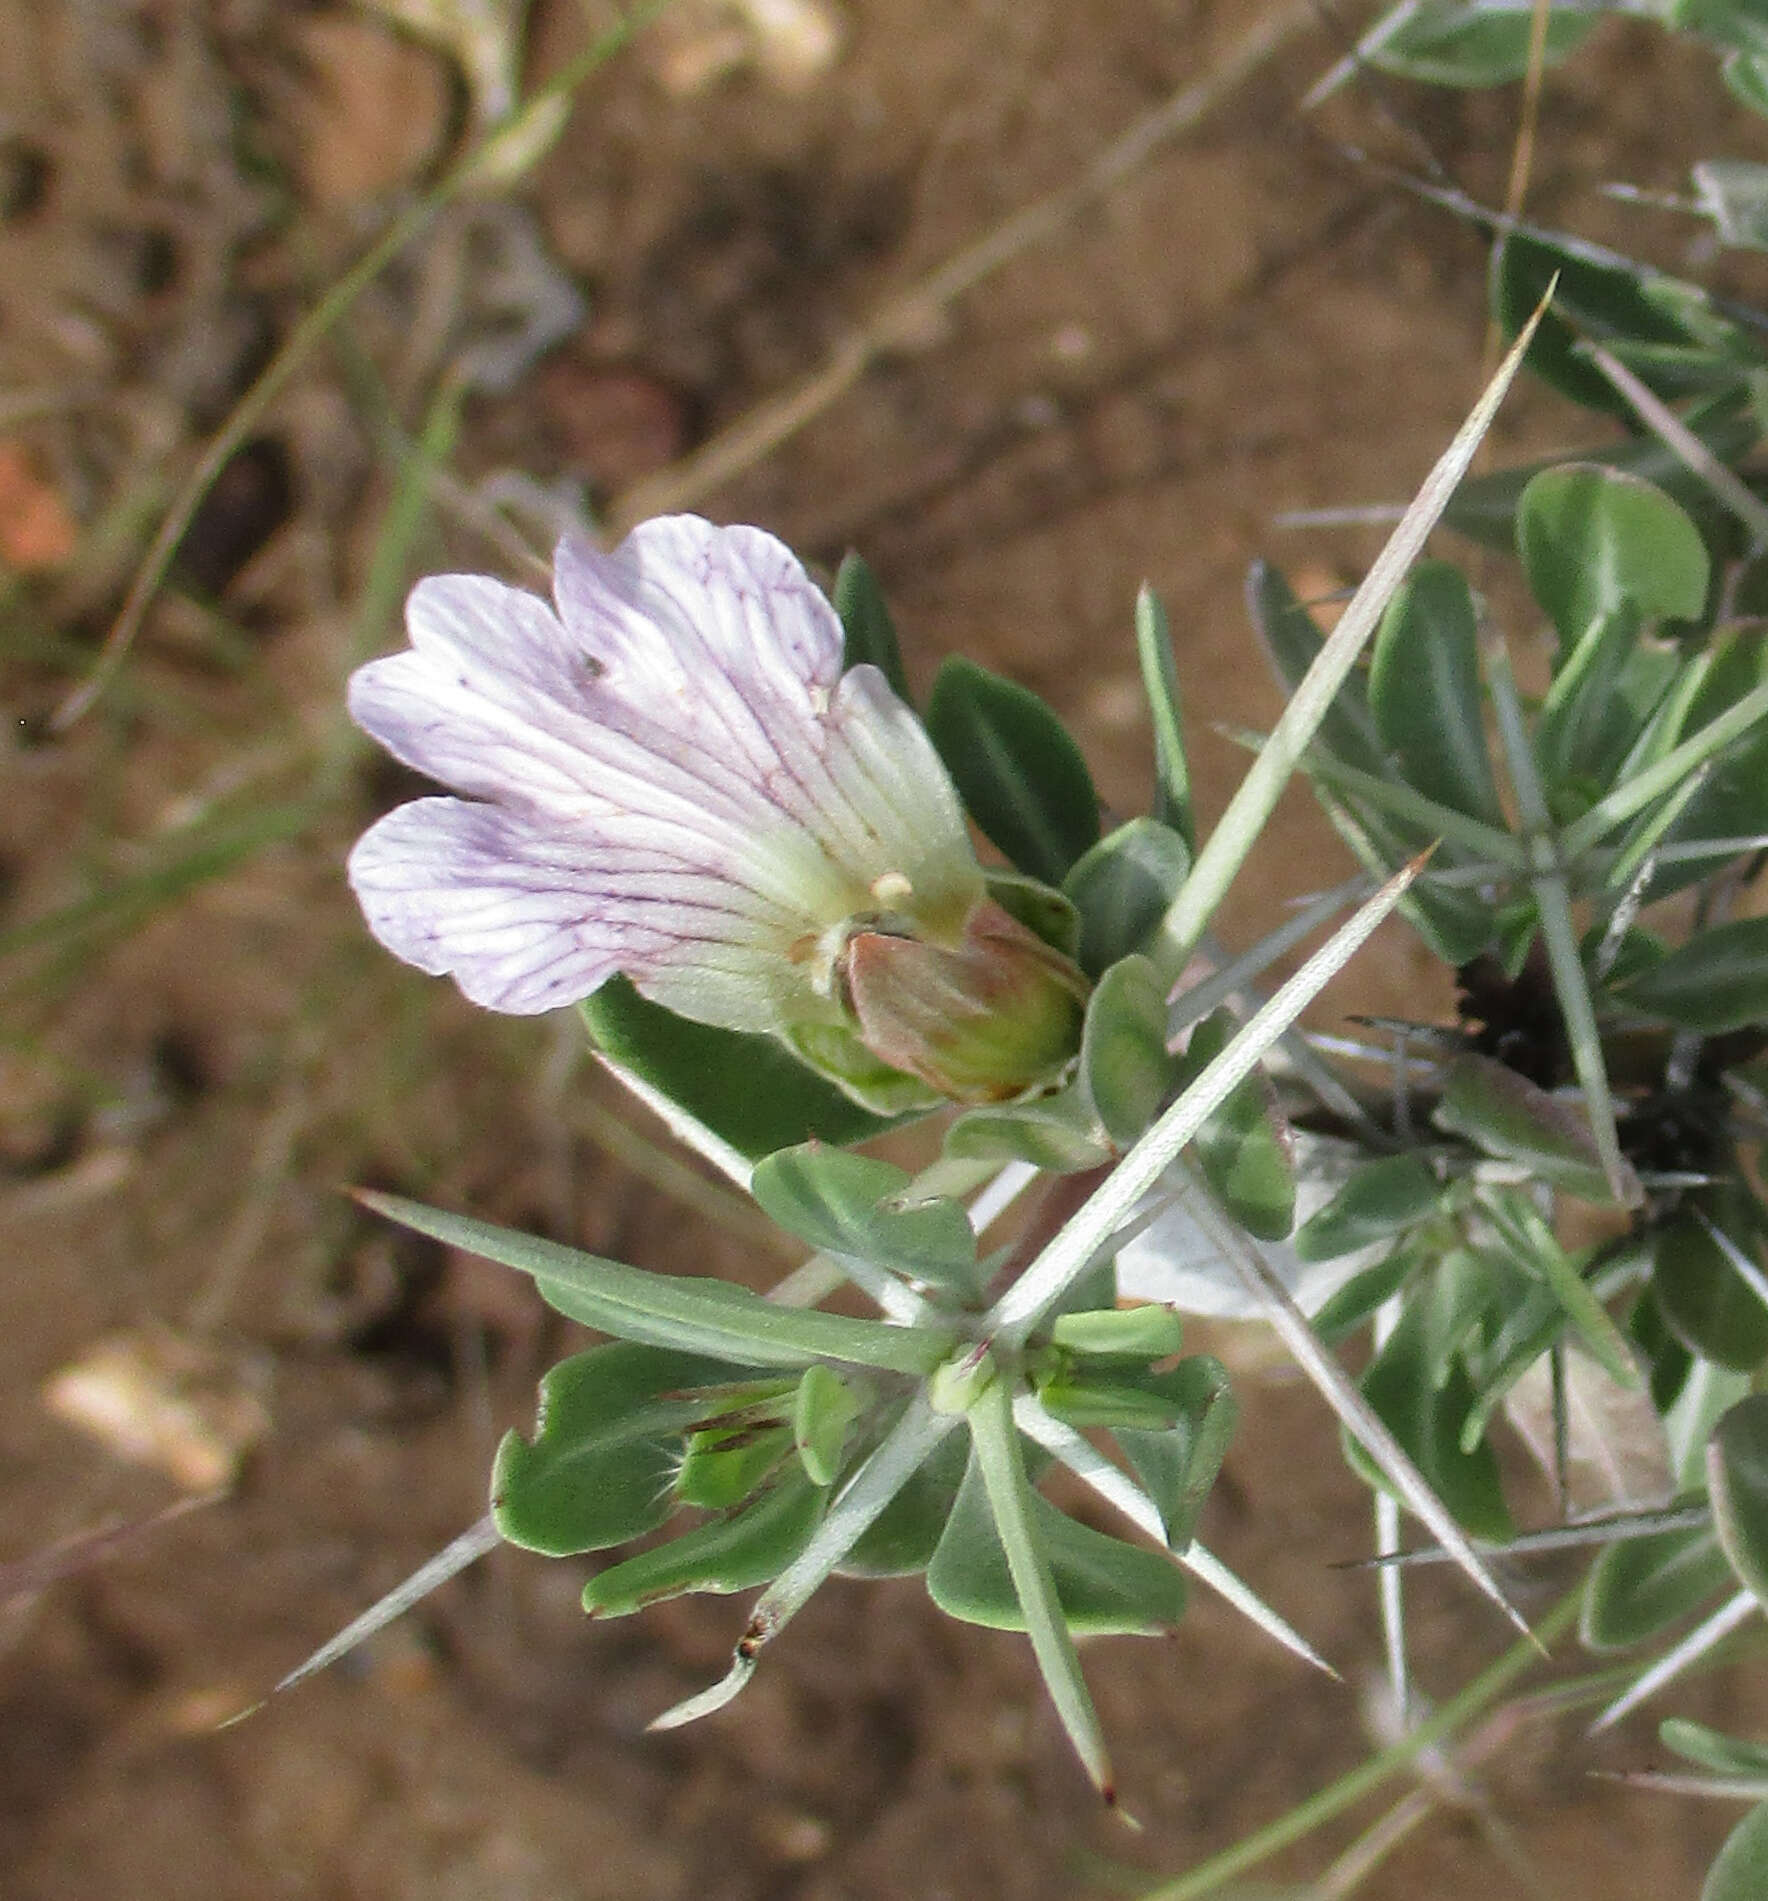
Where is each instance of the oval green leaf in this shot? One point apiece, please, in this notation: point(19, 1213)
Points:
point(1597, 542)
point(1021, 777)
point(1122, 888)
point(601, 1465)
point(1640, 1586)
point(750, 1090)
point(735, 1553)
point(1737, 1482)
point(1424, 692)
point(1717, 981)
point(854, 1204)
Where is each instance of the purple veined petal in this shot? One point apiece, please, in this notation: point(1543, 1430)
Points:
point(669, 777)
point(527, 920)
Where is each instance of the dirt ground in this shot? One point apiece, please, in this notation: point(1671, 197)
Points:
point(201, 1046)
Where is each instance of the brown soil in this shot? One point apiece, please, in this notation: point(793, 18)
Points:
point(1253, 321)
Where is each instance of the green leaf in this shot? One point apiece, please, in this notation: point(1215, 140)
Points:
point(1424, 1407)
point(824, 1411)
point(1733, 803)
point(1733, 192)
point(601, 1466)
point(1160, 682)
point(750, 1090)
point(1061, 1133)
point(667, 1310)
point(1717, 981)
point(1424, 691)
point(904, 1536)
point(1596, 543)
point(1125, 1067)
point(1452, 43)
point(734, 1553)
point(1105, 1587)
point(1243, 1157)
point(1292, 640)
point(853, 1204)
point(1381, 1199)
point(1021, 777)
point(1602, 297)
point(1704, 1301)
point(1122, 888)
point(1712, 1749)
point(1746, 78)
point(1741, 24)
point(1179, 1466)
point(1737, 1481)
point(1484, 508)
point(1510, 1117)
point(1362, 1296)
point(1741, 1871)
point(1640, 1586)
point(870, 634)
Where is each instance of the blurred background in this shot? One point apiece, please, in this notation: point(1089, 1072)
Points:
point(723, 286)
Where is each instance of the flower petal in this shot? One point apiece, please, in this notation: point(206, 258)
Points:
point(526, 919)
point(687, 787)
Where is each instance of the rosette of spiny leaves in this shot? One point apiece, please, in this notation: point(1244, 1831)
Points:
point(1595, 889)
point(693, 798)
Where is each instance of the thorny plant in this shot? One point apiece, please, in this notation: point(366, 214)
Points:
point(696, 802)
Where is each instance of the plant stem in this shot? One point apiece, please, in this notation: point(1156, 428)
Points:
point(1350, 1789)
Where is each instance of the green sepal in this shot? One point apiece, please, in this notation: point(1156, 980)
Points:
point(825, 1410)
point(1046, 913)
point(606, 1447)
point(1243, 1156)
point(855, 1204)
point(868, 633)
point(1104, 1586)
point(1179, 1466)
point(835, 1053)
point(1122, 889)
point(1381, 1199)
point(1639, 1587)
point(1142, 1333)
point(749, 1090)
point(748, 1547)
point(722, 1464)
point(1021, 777)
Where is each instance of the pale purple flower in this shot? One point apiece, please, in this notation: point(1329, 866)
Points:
point(666, 774)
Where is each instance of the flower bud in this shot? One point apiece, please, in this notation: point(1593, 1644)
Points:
point(983, 1020)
